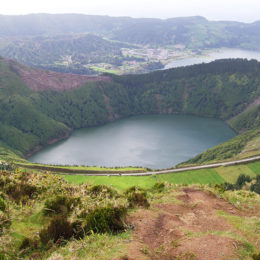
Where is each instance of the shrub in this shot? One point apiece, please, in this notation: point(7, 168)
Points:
point(28, 243)
point(2, 256)
point(25, 243)
point(5, 222)
point(256, 186)
point(103, 190)
point(105, 220)
point(138, 198)
point(28, 190)
point(4, 180)
point(158, 186)
point(59, 230)
point(241, 180)
point(19, 191)
point(78, 229)
point(133, 189)
point(60, 205)
point(229, 186)
point(256, 256)
point(2, 204)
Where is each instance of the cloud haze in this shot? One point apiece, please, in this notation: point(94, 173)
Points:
point(239, 10)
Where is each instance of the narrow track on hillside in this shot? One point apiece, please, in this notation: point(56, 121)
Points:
point(214, 165)
point(189, 228)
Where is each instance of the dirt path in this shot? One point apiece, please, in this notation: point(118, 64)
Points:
point(191, 229)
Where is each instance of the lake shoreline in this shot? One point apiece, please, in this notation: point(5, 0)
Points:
point(121, 138)
point(210, 55)
point(37, 148)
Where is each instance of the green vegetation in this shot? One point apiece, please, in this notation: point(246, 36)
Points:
point(66, 53)
point(220, 89)
point(204, 176)
point(229, 149)
point(231, 173)
point(121, 183)
point(44, 213)
point(137, 197)
point(77, 169)
point(248, 120)
point(243, 181)
point(255, 167)
point(49, 217)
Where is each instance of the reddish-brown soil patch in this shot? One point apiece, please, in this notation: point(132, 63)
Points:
point(41, 80)
point(191, 229)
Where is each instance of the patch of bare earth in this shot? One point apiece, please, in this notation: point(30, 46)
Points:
point(42, 80)
point(191, 229)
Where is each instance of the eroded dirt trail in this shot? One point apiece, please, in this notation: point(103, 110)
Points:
point(190, 229)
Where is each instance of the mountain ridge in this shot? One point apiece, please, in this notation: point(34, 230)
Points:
point(88, 44)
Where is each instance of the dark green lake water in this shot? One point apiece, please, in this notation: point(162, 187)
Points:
point(154, 141)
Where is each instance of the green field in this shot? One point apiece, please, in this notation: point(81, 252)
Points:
point(79, 169)
point(204, 176)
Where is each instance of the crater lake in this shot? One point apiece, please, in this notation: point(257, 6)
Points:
point(153, 141)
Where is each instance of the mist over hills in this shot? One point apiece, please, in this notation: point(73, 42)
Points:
point(135, 30)
point(89, 44)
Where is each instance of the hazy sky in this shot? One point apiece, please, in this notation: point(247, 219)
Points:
point(240, 10)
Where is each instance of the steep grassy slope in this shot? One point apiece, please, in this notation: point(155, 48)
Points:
point(235, 149)
point(31, 115)
point(221, 89)
point(44, 217)
point(247, 120)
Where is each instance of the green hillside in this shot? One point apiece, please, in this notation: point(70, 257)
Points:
point(31, 119)
point(234, 148)
point(65, 53)
point(44, 217)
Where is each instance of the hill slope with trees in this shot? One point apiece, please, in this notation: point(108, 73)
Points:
point(31, 118)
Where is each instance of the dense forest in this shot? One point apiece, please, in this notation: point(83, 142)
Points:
point(221, 89)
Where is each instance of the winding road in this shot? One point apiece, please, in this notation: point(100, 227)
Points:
point(214, 165)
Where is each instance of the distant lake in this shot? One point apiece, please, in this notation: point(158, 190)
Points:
point(215, 55)
point(154, 141)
